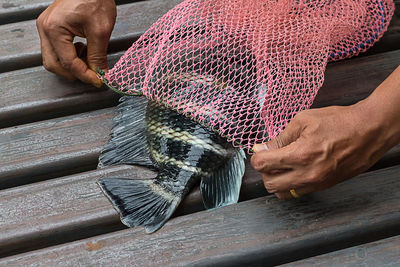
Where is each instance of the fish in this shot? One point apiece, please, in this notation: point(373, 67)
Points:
point(182, 151)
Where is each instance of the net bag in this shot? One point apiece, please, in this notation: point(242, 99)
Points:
point(244, 68)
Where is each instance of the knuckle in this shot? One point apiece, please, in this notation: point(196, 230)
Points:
point(101, 33)
point(48, 66)
point(270, 187)
point(315, 178)
point(256, 162)
point(66, 64)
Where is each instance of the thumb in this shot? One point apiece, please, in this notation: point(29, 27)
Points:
point(290, 134)
point(97, 51)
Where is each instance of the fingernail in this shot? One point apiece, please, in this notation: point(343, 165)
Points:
point(98, 83)
point(260, 147)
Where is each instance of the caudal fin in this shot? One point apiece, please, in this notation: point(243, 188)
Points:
point(140, 202)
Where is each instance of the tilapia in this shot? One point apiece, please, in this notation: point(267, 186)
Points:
point(181, 150)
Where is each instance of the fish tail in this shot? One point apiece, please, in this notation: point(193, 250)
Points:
point(140, 202)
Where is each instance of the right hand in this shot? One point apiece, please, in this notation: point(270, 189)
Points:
point(65, 19)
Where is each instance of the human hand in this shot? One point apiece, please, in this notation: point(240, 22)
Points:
point(65, 19)
point(320, 148)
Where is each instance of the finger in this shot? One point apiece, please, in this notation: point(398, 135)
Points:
point(290, 134)
point(289, 180)
point(97, 50)
point(286, 157)
point(49, 57)
point(70, 61)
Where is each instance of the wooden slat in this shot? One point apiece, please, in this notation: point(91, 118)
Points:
point(347, 82)
point(34, 94)
point(65, 145)
point(53, 147)
point(20, 47)
point(385, 252)
point(20, 10)
point(71, 208)
point(263, 231)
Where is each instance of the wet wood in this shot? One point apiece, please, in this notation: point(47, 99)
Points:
point(263, 231)
point(34, 94)
point(20, 45)
point(385, 252)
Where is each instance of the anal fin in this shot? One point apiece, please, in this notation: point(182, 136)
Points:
point(223, 187)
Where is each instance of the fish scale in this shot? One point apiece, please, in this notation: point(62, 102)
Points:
point(181, 150)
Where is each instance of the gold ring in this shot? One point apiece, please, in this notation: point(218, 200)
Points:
point(294, 193)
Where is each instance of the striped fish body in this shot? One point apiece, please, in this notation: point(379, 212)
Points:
point(182, 150)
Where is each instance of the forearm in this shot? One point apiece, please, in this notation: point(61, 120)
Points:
point(381, 110)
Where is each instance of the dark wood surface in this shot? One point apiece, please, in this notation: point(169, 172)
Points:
point(385, 252)
point(20, 45)
point(20, 10)
point(52, 128)
point(73, 207)
point(265, 230)
point(34, 94)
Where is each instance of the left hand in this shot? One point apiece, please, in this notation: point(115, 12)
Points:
point(320, 148)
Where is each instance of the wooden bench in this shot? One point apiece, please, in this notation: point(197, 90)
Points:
point(52, 211)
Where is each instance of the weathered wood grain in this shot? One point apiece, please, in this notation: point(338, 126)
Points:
point(65, 145)
point(347, 82)
point(385, 252)
point(20, 45)
point(261, 231)
point(66, 209)
point(34, 94)
point(52, 147)
point(20, 10)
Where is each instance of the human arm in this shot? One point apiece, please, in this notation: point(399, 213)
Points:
point(65, 19)
point(322, 147)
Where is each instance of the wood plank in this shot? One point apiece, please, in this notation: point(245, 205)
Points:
point(347, 82)
point(34, 94)
point(385, 252)
point(58, 147)
point(53, 147)
point(67, 145)
point(70, 208)
point(20, 47)
point(20, 10)
point(263, 231)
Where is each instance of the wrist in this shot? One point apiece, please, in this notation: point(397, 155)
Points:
point(380, 119)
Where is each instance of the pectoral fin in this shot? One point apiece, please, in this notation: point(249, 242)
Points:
point(223, 187)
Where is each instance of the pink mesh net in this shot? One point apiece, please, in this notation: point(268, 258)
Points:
point(244, 68)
